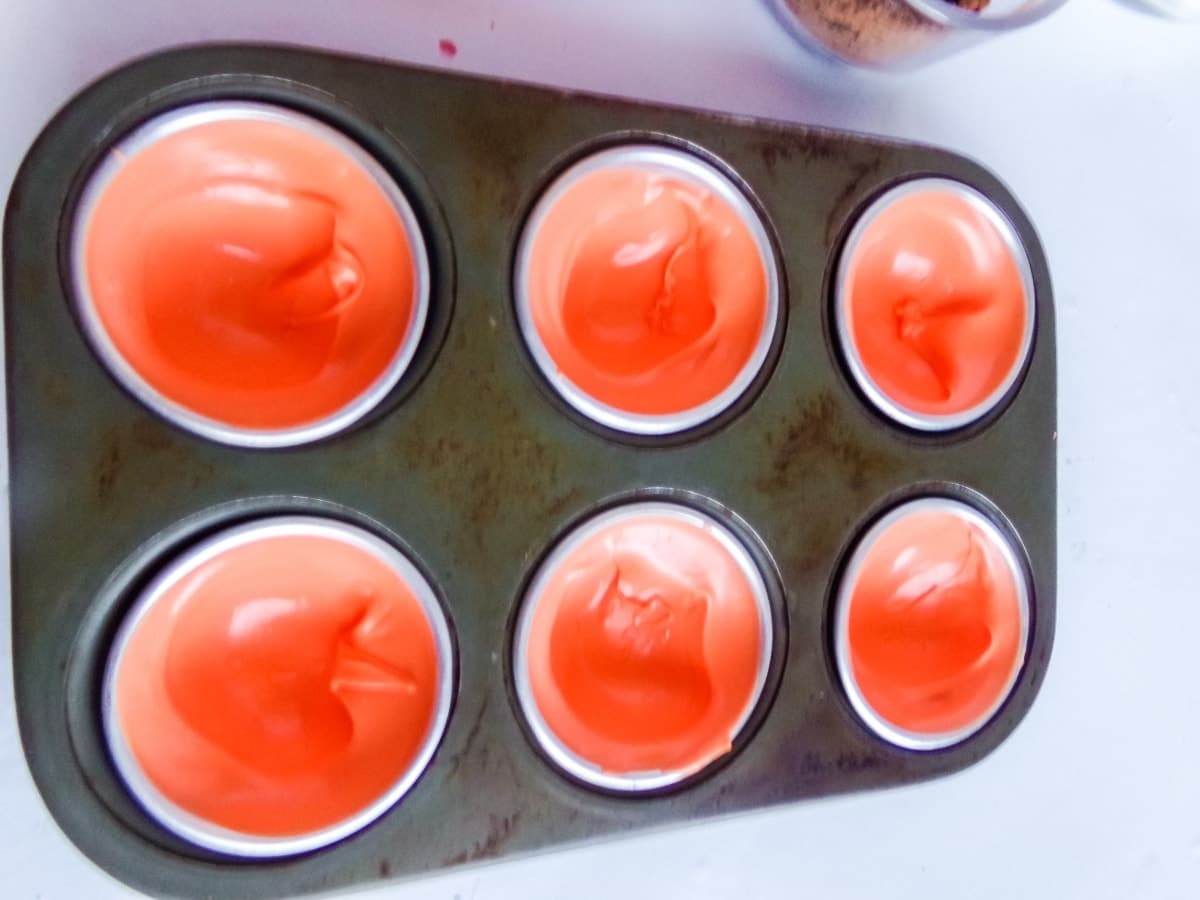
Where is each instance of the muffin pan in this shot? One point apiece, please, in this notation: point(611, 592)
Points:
point(480, 477)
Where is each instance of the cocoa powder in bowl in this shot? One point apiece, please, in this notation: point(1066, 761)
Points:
point(870, 32)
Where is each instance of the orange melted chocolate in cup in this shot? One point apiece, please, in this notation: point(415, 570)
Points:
point(932, 623)
point(646, 289)
point(250, 273)
point(279, 686)
point(934, 304)
point(642, 646)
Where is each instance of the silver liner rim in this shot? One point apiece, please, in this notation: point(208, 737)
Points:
point(881, 727)
point(203, 113)
point(200, 831)
point(877, 396)
point(680, 164)
point(559, 754)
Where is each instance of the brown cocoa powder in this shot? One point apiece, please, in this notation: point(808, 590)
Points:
point(871, 32)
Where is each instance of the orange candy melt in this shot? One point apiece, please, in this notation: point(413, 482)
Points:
point(251, 270)
point(645, 646)
point(280, 686)
point(935, 303)
point(648, 291)
point(936, 623)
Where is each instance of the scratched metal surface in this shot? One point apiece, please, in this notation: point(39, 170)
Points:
point(475, 466)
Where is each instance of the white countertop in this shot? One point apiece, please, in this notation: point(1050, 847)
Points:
point(1093, 118)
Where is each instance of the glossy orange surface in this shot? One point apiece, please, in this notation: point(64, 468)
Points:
point(281, 686)
point(649, 292)
point(644, 647)
point(936, 304)
point(935, 623)
point(251, 272)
